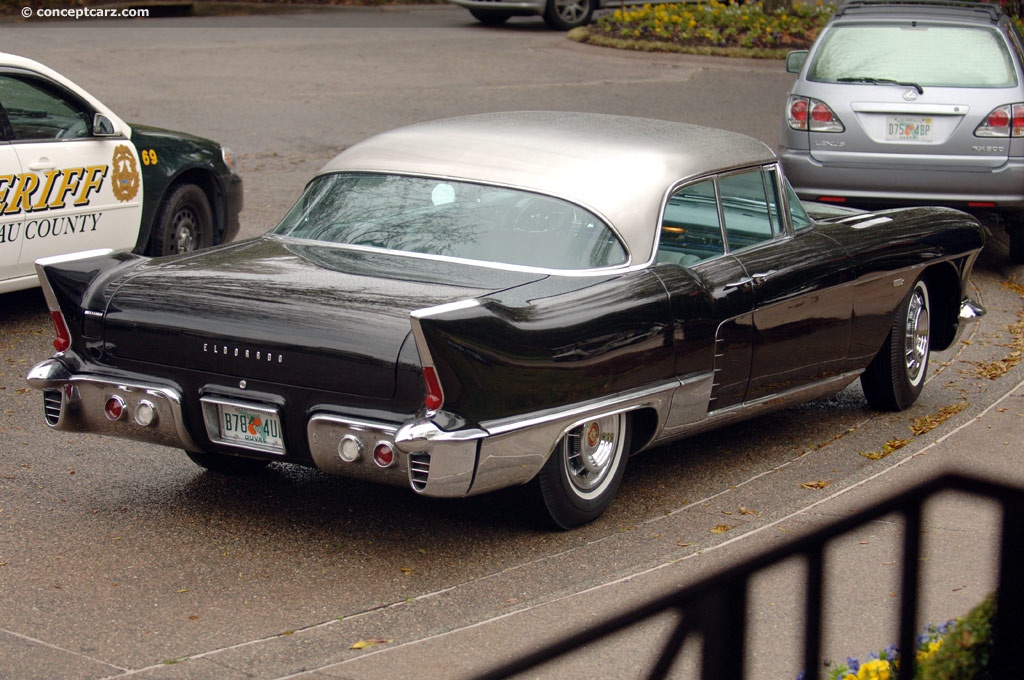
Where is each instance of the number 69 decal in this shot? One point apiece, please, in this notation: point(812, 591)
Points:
point(148, 156)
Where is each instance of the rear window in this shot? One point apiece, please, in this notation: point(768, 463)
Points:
point(927, 55)
point(446, 218)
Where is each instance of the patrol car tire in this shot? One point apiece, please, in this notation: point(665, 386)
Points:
point(183, 223)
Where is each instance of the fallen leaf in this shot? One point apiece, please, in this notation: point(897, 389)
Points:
point(747, 511)
point(890, 446)
point(720, 529)
point(371, 642)
point(820, 484)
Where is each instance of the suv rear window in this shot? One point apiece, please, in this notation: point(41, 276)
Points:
point(926, 55)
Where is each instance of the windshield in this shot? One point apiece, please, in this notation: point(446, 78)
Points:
point(452, 219)
point(936, 56)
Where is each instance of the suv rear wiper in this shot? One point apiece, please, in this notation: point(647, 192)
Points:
point(881, 81)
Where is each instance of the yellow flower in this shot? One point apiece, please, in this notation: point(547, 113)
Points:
point(876, 669)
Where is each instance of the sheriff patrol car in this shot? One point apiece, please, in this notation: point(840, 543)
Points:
point(75, 177)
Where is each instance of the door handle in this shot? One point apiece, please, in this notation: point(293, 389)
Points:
point(763, 275)
point(738, 284)
point(42, 164)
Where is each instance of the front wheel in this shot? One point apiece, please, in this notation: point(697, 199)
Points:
point(563, 15)
point(183, 223)
point(490, 17)
point(232, 466)
point(582, 475)
point(894, 378)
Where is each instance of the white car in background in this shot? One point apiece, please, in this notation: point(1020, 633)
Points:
point(75, 177)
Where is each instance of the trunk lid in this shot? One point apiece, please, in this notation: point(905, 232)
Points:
point(286, 312)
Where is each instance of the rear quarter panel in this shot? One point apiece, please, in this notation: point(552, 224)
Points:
point(552, 343)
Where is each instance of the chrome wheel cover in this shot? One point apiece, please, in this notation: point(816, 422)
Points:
point(916, 336)
point(591, 453)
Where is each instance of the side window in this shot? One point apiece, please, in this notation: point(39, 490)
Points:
point(749, 216)
point(38, 113)
point(690, 228)
point(797, 214)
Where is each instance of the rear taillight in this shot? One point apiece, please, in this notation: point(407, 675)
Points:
point(435, 395)
point(804, 113)
point(1005, 121)
point(60, 327)
point(796, 114)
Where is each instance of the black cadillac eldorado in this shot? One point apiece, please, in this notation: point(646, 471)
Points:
point(505, 299)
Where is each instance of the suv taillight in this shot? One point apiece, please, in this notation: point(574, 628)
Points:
point(805, 113)
point(1005, 121)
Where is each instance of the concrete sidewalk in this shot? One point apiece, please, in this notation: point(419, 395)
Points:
point(862, 579)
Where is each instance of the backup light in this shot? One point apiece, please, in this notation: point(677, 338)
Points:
point(350, 449)
point(145, 413)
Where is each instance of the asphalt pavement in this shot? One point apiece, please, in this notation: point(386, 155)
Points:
point(961, 534)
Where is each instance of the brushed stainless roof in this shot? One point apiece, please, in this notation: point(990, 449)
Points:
point(616, 166)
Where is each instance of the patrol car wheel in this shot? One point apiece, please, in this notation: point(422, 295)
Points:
point(184, 222)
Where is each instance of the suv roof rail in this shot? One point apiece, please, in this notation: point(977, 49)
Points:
point(994, 11)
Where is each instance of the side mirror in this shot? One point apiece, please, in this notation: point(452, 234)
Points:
point(795, 61)
point(103, 126)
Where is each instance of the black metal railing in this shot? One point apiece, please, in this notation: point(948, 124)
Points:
point(716, 608)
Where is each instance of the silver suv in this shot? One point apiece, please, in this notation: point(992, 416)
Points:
point(901, 103)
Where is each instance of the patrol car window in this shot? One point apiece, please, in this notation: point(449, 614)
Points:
point(37, 112)
point(452, 219)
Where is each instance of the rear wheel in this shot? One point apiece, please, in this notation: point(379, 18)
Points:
point(234, 466)
point(581, 477)
point(562, 15)
point(894, 378)
point(490, 17)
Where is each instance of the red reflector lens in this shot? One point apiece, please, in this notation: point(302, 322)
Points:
point(831, 199)
point(435, 396)
point(383, 455)
point(63, 339)
point(114, 408)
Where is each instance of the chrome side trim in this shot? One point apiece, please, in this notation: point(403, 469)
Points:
point(83, 397)
point(752, 409)
point(518, 447)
